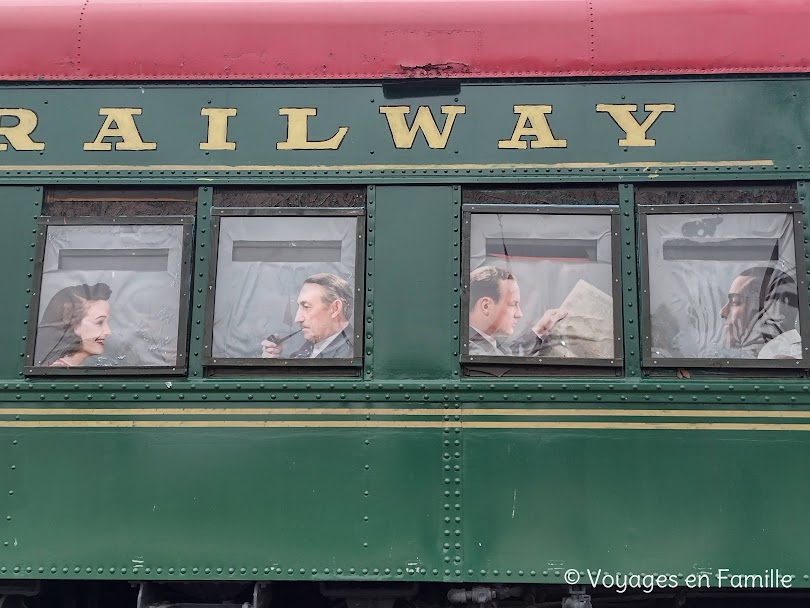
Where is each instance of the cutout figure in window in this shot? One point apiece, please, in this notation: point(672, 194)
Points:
point(74, 326)
point(760, 315)
point(495, 311)
point(324, 309)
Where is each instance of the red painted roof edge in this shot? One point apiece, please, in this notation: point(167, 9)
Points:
point(192, 40)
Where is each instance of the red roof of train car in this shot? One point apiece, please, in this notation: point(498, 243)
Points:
point(338, 39)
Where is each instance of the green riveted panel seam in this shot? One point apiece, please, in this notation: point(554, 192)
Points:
point(629, 282)
point(368, 360)
point(801, 190)
point(456, 280)
point(368, 363)
point(453, 438)
point(453, 476)
point(368, 348)
point(392, 176)
point(200, 285)
point(11, 508)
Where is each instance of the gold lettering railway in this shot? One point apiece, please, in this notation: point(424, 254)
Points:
point(532, 128)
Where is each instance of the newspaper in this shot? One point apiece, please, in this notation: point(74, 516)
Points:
point(587, 330)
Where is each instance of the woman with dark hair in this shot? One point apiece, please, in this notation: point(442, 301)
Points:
point(73, 326)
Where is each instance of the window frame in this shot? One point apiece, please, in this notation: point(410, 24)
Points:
point(215, 364)
point(615, 362)
point(186, 254)
point(653, 363)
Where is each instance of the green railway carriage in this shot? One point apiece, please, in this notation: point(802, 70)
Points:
point(406, 304)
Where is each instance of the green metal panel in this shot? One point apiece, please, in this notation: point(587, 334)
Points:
point(544, 501)
point(20, 208)
point(221, 503)
point(416, 303)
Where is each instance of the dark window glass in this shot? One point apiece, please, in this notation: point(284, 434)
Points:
point(102, 201)
point(311, 198)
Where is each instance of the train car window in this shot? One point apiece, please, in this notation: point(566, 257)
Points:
point(285, 289)
point(110, 296)
point(539, 286)
point(724, 286)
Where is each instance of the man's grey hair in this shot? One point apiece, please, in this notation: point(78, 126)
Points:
point(334, 288)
